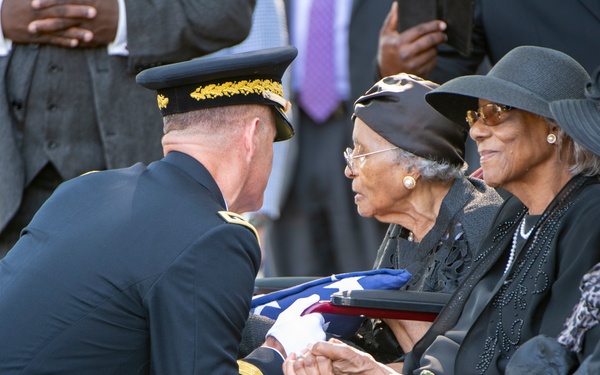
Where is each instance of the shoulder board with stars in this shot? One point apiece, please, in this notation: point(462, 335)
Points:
point(246, 368)
point(233, 218)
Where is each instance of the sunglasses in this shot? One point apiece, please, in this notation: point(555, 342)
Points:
point(490, 114)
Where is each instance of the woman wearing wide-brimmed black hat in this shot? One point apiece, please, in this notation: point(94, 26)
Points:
point(580, 336)
point(543, 240)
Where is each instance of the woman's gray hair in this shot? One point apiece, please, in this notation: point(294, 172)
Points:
point(428, 169)
point(581, 160)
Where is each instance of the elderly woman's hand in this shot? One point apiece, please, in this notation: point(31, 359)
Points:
point(334, 357)
point(307, 364)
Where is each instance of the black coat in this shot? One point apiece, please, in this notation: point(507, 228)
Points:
point(129, 271)
point(535, 297)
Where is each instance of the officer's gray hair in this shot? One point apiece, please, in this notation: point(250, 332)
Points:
point(218, 120)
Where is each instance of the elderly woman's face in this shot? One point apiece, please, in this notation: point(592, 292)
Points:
point(376, 179)
point(511, 150)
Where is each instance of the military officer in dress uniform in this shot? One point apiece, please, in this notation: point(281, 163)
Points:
point(149, 269)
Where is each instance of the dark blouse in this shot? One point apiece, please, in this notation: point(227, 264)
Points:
point(492, 313)
point(562, 355)
point(442, 259)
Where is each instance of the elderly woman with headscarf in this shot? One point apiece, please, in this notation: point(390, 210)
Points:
point(407, 169)
point(524, 279)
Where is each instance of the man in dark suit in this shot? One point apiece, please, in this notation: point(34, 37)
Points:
point(68, 98)
point(147, 269)
point(319, 231)
point(567, 26)
point(498, 27)
point(571, 27)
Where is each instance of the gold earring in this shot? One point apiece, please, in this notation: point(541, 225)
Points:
point(409, 182)
point(551, 138)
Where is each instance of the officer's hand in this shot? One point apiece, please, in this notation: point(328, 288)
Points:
point(412, 51)
point(294, 331)
point(20, 22)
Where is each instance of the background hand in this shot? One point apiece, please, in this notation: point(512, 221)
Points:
point(66, 23)
point(104, 25)
point(412, 51)
point(18, 15)
point(99, 29)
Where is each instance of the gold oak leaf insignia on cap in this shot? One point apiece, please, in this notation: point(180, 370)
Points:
point(233, 218)
point(244, 87)
point(162, 101)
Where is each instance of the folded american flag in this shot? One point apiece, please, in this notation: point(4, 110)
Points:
point(272, 304)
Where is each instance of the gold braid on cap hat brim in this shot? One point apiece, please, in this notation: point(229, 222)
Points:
point(245, 87)
point(269, 89)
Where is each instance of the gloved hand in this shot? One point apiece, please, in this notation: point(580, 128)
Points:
point(294, 331)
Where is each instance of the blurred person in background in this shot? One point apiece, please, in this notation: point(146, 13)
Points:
point(498, 27)
point(319, 231)
point(70, 103)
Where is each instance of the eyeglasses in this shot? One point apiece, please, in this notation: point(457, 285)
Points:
point(490, 114)
point(350, 159)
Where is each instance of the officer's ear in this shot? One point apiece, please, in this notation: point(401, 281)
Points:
point(251, 138)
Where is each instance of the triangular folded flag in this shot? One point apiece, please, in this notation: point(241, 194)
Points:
point(272, 304)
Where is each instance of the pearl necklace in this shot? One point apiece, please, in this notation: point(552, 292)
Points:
point(513, 249)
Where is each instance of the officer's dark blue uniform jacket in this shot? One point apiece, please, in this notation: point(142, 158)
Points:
point(130, 271)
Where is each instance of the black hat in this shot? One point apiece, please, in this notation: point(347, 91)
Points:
point(395, 108)
point(580, 118)
point(244, 78)
point(527, 78)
